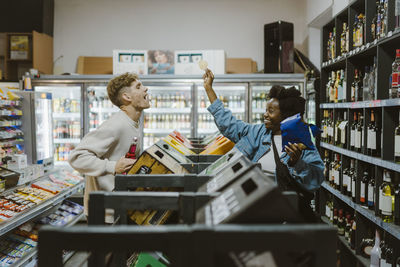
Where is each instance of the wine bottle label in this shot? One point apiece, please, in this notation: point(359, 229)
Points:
point(372, 140)
point(343, 137)
point(327, 211)
point(362, 193)
point(386, 205)
point(336, 173)
point(352, 137)
point(371, 194)
point(397, 8)
point(336, 134)
point(356, 139)
point(395, 79)
point(353, 188)
point(368, 138)
point(380, 199)
point(397, 146)
point(359, 139)
point(345, 180)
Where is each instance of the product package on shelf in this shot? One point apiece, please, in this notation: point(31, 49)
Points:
point(130, 61)
point(11, 136)
point(15, 245)
point(187, 61)
point(26, 197)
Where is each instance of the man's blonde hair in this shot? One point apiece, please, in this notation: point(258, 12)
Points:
point(117, 86)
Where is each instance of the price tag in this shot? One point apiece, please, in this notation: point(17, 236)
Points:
point(368, 45)
point(362, 47)
point(375, 41)
point(390, 34)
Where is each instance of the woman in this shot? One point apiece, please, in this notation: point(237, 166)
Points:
point(255, 141)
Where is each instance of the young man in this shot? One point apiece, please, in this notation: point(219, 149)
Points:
point(101, 153)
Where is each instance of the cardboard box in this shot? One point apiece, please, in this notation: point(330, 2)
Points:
point(187, 61)
point(240, 65)
point(95, 65)
point(130, 61)
point(19, 47)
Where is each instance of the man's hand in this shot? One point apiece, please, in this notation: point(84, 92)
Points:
point(208, 78)
point(123, 165)
point(294, 152)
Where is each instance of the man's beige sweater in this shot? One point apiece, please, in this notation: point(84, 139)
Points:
point(99, 151)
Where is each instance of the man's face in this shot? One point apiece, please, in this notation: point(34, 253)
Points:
point(139, 97)
point(272, 115)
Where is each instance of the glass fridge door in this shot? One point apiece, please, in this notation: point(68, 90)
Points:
point(43, 126)
point(234, 97)
point(171, 109)
point(99, 106)
point(310, 102)
point(66, 118)
point(259, 93)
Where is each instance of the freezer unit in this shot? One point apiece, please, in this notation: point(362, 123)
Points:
point(66, 124)
point(232, 95)
point(37, 124)
point(171, 109)
point(259, 93)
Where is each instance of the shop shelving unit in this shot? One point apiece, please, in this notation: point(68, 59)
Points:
point(386, 113)
point(41, 209)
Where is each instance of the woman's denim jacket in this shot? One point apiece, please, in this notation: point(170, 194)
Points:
point(255, 141)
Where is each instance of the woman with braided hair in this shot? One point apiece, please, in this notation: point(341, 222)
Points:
point(256, 141)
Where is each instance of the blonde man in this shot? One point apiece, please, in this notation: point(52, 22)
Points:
point(100, 154)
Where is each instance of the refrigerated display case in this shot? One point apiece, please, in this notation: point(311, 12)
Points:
point(171, 109)
point(37, 125)
point(234, 97)
point(99, 107)
point(311, 105)
point(67, 120)
point(178, 101)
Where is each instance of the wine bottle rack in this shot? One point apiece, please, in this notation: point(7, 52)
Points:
point(386, 112)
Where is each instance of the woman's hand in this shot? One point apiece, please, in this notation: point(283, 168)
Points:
point(294, 152)
point(208, 78)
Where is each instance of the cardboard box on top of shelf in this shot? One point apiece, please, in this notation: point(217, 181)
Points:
point(95, 65)
point(187, 61)
point(240, 65)
point(130, 61)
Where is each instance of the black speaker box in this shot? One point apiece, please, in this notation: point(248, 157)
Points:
point(278, 47)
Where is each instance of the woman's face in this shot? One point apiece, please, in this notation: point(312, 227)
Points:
point(272, 116)
point(160, 57)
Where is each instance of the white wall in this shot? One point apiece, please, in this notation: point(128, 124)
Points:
point(96, 27)
point(320, 12)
